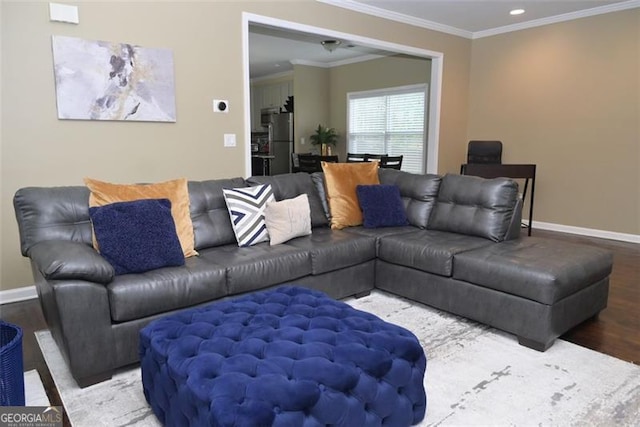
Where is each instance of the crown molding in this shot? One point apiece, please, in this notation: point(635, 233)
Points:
point(310, 63)
point(288, 73)
point(347, 61)
point(615, 7)
point(398, 17)
point(430, 25)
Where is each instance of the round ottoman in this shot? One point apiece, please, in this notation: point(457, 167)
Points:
point(284, 357)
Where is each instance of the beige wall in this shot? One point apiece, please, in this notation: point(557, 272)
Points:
point(311, 103)
point(38, 149)
point(399, 70)
point(566, 97)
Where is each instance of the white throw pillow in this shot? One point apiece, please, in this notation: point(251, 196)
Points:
point(288, 219)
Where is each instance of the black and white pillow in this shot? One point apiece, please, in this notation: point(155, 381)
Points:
point(246, 209)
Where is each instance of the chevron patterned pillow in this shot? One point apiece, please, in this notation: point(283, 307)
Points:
point(246, 208)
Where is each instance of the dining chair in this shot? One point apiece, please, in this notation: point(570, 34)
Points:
point(330, 159)
point(391, 162)
point(355, 158)
point(375, 157)
point(311, 163)
point(308, 163)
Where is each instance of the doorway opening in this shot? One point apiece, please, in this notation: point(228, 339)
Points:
point(435, 80)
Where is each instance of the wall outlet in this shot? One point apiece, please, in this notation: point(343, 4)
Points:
point(220, 106)
point(302, 141)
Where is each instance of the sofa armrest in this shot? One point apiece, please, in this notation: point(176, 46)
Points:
point(514, 227)
point(78, 316)
point(68, 260)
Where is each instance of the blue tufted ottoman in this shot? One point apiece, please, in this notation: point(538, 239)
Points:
point(285, 357)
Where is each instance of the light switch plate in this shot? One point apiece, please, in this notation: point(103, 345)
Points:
point(229, 139)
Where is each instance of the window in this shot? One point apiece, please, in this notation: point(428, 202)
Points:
point(389, 121)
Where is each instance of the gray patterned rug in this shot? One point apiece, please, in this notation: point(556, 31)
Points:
point(475, 376)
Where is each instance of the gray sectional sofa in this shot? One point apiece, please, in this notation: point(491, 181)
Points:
point(461, 253)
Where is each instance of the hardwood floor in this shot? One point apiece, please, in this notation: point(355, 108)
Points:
point(616, 331)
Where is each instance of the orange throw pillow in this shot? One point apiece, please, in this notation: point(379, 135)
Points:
point(341, 180)
point(104, 193)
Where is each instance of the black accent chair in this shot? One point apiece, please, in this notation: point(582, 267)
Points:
point(391, 162)
point(484, 152)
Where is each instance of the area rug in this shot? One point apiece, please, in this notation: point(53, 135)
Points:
point(476, 375)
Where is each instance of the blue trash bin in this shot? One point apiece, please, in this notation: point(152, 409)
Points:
point(11, 369)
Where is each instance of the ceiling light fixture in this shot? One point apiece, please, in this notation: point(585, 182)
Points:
point(331, 45)
point(515, 12)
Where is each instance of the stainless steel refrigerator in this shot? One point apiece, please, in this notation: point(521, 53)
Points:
point(281, 142)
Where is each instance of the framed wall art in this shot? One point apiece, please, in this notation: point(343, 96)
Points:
point(98, 80)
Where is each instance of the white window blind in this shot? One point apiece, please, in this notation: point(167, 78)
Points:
point(389, 121)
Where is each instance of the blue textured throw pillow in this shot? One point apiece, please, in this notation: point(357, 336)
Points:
point(137, 236)
point(381, 206)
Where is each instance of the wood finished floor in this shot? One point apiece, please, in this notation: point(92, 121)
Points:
point(616, 331)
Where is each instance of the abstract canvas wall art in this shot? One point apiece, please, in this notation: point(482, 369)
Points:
point(97, 80)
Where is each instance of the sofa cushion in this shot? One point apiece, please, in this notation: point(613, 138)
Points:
point(137, 236)
point(246, 209)
point(341, 182)
point(133, 296)
point(209, 213)
point(318, 182)
point(104, 193)
point(259, 266)
point(335, 249)
point(418, 193)
point(52, 213)
point(288, 219)
point(427, 250)
point(538, 269)
point(475, 206)
point(381, 206)
point(380, 232)
point(288, 186)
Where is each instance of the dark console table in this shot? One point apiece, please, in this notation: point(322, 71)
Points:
point(526, 172)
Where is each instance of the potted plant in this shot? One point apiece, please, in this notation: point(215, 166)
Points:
point(325, 137)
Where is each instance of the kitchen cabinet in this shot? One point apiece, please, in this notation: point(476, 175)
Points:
point(268, 96)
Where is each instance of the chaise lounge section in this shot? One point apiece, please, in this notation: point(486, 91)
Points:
point(461, 252)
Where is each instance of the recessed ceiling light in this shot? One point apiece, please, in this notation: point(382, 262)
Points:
point(516, 12)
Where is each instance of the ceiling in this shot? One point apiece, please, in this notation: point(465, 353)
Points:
point(271, 49)
point(475, 16)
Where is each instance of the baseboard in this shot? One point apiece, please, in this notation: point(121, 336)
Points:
point(18, 294)
point(602, 234)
